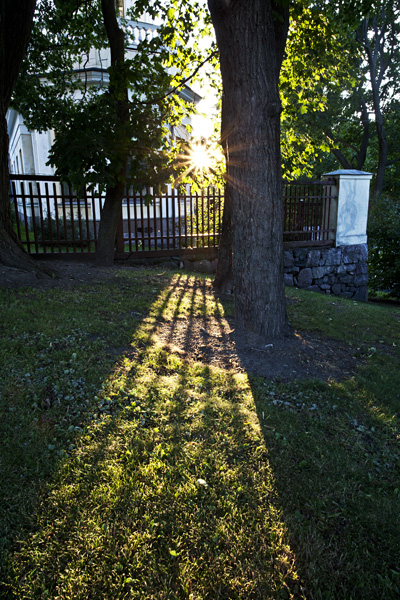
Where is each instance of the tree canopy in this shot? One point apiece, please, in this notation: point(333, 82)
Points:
point(51, 94)
point(345, 109)
point(116, 130)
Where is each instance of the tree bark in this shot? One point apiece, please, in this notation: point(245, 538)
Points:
point(16, 20)
point(110, 216)
point(378, 62)
point(223, 281)
point(118, 89)
point(362, 155)
point(251, 36)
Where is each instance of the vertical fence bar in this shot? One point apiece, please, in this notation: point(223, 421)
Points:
point(179, 221)
point(141, 218)
point(203, 220)
point(119, 238)
point(185, 221)
point(221, 214)
point(33, 217)
point(49, 216)
point(309, 208)
point(154, 220)
point(128, 216)
point(208, 216)
point(317, 225)
point(55, 199)
point(167, 217)
point(81, 238)
point(191, 216)
point(161, 219)
point(214, 218)
point(64, 216)
point(148, 221)
point(86, 207)
point(196, 196)
point(41, 218)
point(93, 201)
point(136, 220)
point(72, 215)
point(289, 207)
point(26, 223)
point(17, 219)
point(173, 217)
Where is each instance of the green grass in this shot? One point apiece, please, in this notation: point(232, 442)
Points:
point(127, 472)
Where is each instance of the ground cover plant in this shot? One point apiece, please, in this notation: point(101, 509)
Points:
point(136, 463)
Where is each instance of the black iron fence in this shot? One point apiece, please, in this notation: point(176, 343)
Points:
point(49, 218)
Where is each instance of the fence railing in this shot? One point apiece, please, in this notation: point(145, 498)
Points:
point(309, 210)
point(49, 218)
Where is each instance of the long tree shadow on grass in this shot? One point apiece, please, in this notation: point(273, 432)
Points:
point(194, 486)
point(168, 495)
point(172, 498)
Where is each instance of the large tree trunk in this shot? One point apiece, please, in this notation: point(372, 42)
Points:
point(251, 36)
point(111, 211)
point(223, 281)
point(16, 19)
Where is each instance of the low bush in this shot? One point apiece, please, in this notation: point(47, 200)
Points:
point(384, 245)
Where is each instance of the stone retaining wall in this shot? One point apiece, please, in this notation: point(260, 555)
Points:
point(342, 271)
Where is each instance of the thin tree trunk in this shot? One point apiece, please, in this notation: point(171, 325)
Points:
point(111, 211)
point(16, 19)
point(341, 158)
point(383, 153)
point(378, 63)
point(11, 252)
point(251, 36)
point(110, 216)
point(362, 155)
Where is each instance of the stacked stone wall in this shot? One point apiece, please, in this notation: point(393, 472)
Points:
point(341, 271)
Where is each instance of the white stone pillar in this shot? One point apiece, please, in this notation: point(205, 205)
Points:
point(350, 215)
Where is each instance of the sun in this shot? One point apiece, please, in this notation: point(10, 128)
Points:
point(198, 159)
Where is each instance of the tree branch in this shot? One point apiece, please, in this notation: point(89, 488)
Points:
point(183, 82)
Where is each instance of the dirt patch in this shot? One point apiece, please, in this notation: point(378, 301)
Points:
point(300, 356)
point(212, 340)
point(60, 274)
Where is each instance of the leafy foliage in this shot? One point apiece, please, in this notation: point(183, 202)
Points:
point(57, 90)
point(332, 96)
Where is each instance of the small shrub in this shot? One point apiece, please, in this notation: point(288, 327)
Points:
point(384, 245)
point(67, 230)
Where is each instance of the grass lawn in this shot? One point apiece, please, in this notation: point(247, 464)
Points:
point(127, 471)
